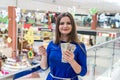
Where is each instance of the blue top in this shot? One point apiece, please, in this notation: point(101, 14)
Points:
point(64, 70)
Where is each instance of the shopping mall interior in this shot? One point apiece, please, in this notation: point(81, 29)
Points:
point(32, 22)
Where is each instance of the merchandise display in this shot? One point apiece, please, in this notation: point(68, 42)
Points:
point(111, 20)
point(11, 65)
point(83, 20)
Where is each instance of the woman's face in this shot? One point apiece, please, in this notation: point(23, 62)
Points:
point(65, 26)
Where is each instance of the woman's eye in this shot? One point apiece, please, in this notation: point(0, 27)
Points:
point(68, 23)
point(61, 23)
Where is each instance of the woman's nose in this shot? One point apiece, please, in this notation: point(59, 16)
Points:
point(65, 25)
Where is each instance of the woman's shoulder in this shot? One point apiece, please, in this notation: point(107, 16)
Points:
point(78, 43)
point(81, 46)
point(51, 43)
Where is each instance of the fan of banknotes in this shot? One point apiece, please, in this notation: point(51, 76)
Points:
point(67, 46)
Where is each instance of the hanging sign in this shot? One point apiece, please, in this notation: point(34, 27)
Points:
point(30, 54)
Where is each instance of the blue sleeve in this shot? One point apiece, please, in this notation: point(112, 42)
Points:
point(82, 59)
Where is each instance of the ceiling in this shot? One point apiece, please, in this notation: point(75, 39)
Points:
point(110, 6)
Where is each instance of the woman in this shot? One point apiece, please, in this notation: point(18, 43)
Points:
point(76, 61)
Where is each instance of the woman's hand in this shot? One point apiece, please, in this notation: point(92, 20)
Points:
point(42, 50)
point(68, 56)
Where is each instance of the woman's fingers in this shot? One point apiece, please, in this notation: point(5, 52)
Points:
point(42, 50)
point(41, 47)
point(68, 55)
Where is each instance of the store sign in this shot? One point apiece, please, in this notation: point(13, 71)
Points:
point(99, 34)
point(107, 35)
point(104, 34)
point(44, 29)
point(27, 26)
point(112, 35)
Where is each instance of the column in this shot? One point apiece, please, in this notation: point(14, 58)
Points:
point(12, 30)
point(94, 22)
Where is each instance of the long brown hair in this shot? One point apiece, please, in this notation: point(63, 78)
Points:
point(73, 34)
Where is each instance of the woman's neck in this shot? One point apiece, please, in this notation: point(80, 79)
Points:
point(64, 38)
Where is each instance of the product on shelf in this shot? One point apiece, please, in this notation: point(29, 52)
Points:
point(11, 65)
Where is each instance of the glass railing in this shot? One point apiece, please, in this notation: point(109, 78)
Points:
point(102, 60)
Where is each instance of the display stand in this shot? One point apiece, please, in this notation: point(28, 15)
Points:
point(12, 43)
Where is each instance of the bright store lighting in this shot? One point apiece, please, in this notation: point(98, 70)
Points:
point(111, 1)
point(80, 0)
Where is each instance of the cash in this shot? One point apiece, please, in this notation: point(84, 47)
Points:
point(67, 46)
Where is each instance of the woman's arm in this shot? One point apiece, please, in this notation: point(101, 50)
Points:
point(43, 63)
point(76, 67)
point(69, 56)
